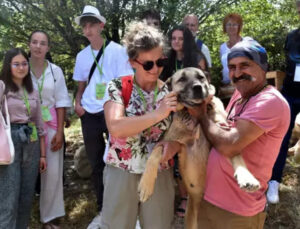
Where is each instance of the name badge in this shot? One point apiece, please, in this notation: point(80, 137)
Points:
point(100, 90)
point(46, 115)
point(34, 135)
point(297, 73)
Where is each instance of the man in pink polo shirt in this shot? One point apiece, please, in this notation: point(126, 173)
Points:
point(259, 117)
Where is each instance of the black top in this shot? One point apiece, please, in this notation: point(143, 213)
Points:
point(292, 50)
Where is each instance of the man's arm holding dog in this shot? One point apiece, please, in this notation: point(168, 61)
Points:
point(228, 142)
point(170, 149)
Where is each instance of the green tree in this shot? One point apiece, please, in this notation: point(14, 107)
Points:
point(20, 17)
point(267, 21)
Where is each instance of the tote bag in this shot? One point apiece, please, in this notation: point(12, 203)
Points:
point(7, 150)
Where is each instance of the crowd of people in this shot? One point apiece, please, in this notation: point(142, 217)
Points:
point(122, 98)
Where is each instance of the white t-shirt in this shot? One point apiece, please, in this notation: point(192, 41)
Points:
point(205, 52)
point(54, 92)
point(224, 50)
point(114, 62)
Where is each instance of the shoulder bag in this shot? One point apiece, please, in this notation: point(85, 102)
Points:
point(7, 150)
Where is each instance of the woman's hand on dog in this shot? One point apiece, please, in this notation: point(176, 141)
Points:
point(170, 148)
point(168, 104)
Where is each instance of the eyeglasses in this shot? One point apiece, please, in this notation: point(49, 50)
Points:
point(148, 65)
point(190, 24)
point(232, 25)
point(18, 65)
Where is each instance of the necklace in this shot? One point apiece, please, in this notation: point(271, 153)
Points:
point(139, 90)
point(244, 104)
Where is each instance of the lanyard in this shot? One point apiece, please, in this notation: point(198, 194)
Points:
point(99, 67)
point(40, 86)
point(179, 65)
point(26, 101)
point(144, 100)
point(243, 107)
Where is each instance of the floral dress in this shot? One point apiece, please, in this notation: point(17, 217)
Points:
point(131, 153)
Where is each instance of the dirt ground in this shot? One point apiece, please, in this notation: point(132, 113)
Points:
point(80, 202)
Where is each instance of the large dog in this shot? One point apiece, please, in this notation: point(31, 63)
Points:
point(192, 88)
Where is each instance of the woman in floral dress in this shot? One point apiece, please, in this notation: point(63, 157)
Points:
point(134, 130)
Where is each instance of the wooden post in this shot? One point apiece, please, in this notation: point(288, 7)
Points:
point(275, 78)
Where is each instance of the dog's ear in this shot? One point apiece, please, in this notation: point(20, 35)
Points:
point(211, 89)
point(169, 83)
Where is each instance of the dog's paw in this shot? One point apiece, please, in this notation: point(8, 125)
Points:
point(246, 180)
point(146, 188)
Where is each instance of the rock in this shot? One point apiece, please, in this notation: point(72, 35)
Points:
point(296, 131)
point(81, 163)
point(295, 150)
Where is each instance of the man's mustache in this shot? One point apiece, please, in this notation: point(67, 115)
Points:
point(242, 77)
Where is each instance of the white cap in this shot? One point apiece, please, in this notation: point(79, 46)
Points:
point(90, 11)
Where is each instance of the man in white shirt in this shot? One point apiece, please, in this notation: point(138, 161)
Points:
point(95, 66)
point(191, 21)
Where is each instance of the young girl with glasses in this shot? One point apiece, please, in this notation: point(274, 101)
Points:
point(17, 180)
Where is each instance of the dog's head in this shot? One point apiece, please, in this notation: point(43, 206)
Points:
point(191, 86)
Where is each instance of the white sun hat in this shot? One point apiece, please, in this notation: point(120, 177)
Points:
point(90, 11)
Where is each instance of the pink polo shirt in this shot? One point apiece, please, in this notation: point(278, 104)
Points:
point(270, 111)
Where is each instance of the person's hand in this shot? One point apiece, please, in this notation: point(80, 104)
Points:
point(57, 141)
point(200, 111)
point(43, 164)
point(79, 110)
point(67, 122)
point(170, 148)
point(168, 104)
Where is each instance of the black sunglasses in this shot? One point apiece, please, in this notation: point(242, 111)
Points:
point(148, 65)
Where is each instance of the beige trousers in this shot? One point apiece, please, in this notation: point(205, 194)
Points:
point(121, 206)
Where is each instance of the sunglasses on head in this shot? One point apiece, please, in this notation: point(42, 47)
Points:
point(148, 65)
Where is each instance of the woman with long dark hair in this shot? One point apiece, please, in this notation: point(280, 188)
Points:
point(17, 180)
point(183, 53)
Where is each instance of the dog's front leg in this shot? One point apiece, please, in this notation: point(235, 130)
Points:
point(147, 182)
point(243, 176)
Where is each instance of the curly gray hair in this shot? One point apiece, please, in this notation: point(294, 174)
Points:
point(140, 37)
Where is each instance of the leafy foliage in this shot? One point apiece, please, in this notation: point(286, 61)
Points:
point(268, 21)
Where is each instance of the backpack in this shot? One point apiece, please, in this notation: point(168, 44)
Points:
point(127, 83)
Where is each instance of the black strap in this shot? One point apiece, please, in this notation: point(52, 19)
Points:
point(52, 73)
point(97, 59)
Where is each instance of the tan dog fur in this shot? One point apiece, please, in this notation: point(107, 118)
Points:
point(192, 88)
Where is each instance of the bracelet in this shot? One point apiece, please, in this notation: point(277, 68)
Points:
point(42, 156)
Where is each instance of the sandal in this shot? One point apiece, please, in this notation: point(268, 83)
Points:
point(180, 211)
